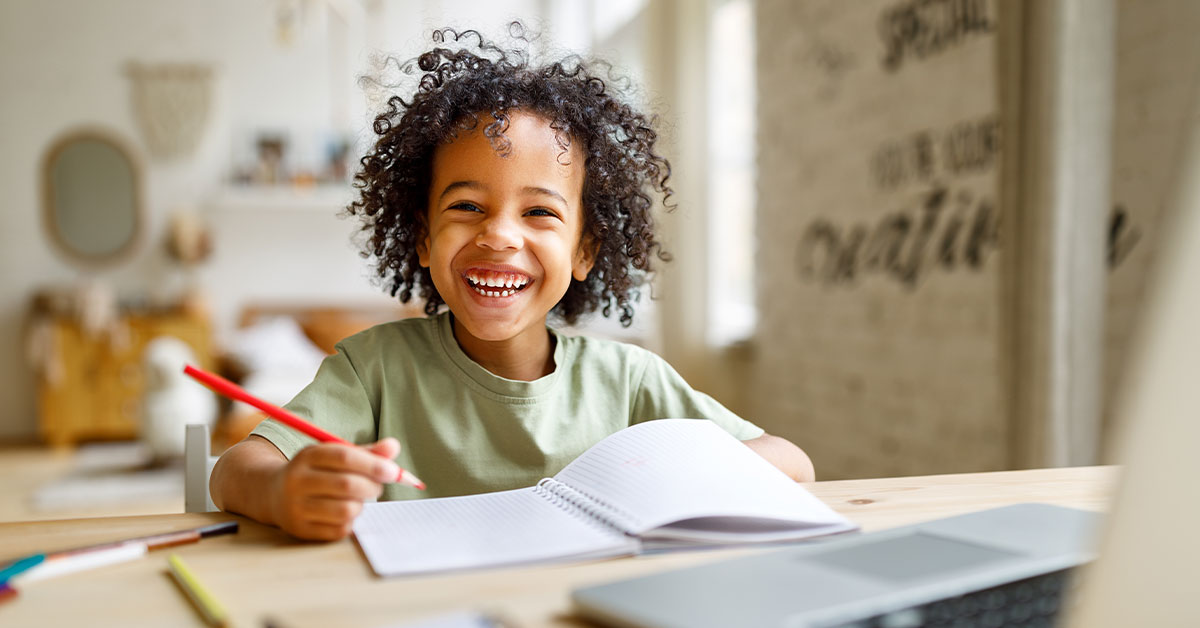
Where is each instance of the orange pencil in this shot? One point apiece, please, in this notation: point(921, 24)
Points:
point(237, 393)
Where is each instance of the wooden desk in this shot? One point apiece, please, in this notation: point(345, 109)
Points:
point(260, 573)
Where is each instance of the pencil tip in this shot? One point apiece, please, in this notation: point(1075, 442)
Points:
point(407, 477)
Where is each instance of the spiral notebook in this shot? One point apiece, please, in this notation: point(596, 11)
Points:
point(670, 482)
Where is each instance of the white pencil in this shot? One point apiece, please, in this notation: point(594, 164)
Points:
point(83, 561)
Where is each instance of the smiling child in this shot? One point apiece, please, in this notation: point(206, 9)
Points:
point(501, 194)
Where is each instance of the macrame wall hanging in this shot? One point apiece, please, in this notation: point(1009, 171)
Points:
point(171, 104)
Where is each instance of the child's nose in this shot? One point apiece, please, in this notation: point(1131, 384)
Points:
point(499, 233)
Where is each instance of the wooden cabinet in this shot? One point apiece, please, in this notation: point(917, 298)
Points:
point(95, 391)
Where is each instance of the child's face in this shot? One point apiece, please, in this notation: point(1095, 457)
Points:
point(504, 232)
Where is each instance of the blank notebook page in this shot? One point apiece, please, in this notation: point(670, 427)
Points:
point(673, 469)
point(502, 528)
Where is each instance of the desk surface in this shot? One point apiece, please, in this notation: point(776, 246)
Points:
point(260, 573)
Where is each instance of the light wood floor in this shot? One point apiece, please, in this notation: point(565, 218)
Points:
point(26, 469)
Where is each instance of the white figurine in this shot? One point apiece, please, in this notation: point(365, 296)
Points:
point(172, 400)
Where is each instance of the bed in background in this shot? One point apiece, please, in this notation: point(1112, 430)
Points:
point(277, 348)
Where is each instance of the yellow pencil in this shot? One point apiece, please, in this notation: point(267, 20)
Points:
point(204, 601)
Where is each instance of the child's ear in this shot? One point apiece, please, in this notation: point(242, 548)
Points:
point(585, 258)
point(423, 250)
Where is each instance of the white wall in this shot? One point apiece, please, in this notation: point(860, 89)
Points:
point(61, 66)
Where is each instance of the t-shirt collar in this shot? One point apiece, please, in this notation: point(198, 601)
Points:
point(490, 381)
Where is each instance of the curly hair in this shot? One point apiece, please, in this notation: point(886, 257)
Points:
point(478, 79)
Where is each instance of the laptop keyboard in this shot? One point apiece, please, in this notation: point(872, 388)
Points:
point(1029, 603)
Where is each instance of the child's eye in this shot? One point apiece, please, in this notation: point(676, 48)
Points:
point(540, 212)
point(470, 207)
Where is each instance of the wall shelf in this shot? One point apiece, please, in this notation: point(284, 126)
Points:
point(282, 197)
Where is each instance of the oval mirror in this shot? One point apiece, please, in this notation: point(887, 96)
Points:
point(92, 196)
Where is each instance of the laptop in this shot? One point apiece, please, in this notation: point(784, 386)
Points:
point(1023, 565)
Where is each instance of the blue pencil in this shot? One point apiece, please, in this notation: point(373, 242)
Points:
point(19, 566)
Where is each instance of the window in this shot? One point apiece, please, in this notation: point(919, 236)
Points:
point(731, 193)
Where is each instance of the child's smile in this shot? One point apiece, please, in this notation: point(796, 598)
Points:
point(496, 283)
point(504, 236)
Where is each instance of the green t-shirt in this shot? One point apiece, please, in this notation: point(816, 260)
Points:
point(464, 430)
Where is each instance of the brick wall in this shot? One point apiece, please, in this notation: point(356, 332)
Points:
point(879, 345)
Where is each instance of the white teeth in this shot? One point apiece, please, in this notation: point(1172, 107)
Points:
point(515, 283)
point(495, 293)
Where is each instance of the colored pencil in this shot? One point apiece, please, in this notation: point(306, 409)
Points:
point(51, 564)
point(233, 391)
point(19, 566)
point(212, 610)
point(82, 561)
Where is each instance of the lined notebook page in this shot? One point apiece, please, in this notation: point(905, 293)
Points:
point(667, 470)
point(504, 528)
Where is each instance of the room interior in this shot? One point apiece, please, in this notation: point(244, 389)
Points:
point(871, 233)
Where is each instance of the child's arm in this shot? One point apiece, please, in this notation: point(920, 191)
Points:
point(785, 456)
point(316, 495)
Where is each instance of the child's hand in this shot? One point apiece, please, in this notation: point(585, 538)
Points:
point(321, 490)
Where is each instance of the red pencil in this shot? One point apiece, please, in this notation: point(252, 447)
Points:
point(233, 391)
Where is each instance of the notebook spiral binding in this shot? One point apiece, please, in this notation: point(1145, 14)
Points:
point(598, 511)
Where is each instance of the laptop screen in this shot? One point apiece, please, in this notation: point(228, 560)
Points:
point(1145, 575)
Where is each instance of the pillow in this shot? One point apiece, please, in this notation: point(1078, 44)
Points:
point(271, 344)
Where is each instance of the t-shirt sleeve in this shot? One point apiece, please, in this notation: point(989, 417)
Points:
point(663, 394)
point(335, 401)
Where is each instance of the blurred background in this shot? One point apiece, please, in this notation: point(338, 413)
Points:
point(912, 236)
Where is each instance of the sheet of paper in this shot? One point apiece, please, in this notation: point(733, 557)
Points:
point(493, 529)
point(667, 470)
